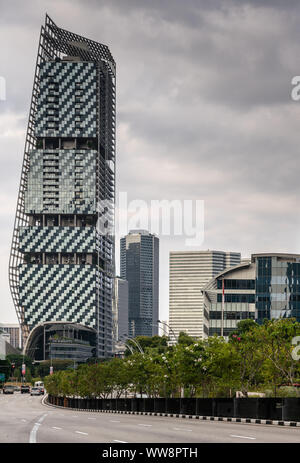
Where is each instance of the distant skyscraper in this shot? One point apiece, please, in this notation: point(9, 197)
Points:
point(120, 309)
point(5, 346)
point(190, 271)
point(13, 329)
point(140, 267)
point(61, 268)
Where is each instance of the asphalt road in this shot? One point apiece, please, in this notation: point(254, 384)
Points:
point(23, 418)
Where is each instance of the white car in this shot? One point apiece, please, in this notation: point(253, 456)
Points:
point(35, 391)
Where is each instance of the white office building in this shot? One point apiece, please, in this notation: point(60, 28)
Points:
point(14, 331)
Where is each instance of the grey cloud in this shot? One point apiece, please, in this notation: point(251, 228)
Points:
point(204, 109)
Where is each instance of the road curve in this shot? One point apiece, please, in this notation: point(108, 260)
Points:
point(24, 419)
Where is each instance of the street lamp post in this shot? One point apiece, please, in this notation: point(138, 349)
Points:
point(172, 331)
point(135, 342)
point(125, 343)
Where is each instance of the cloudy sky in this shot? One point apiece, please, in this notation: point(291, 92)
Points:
point(204, 112)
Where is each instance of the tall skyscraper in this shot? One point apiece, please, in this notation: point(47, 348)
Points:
point(140, 267)
point(190, 271)
point(61, 266)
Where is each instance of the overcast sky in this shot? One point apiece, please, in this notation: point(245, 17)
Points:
point(204, 112)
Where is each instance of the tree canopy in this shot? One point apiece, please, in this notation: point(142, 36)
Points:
point(255, 357)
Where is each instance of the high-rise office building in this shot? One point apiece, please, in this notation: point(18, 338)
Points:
point(13, 329)
point(189, 273)
point(139, 265)
point(62, 261)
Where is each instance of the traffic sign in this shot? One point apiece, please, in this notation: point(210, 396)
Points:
point(2, 376)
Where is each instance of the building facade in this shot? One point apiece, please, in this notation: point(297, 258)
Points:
point(164, 329)
point(139, 265)
point(277, 283)
point(13, 329)
point(238, 302)
point(120, 310)
point(6, 347)
point(190, 271)
point(265, 287)
point(62, 256)
point(61, 340)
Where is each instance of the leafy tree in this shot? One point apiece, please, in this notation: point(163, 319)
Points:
point(17, 374)
point(254, 356)
point(249, 350)
point(243, 327)
point(43, 368)
point(5, 368)
point(276, 338)
point(220, 372)
point(153, 342)
point(18, 360)
point(185, 339)
point(118, 376)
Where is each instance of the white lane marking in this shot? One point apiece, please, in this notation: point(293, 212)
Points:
point(55, 427)
point(122, 441)
point(24, 421)
point(32, 437)
point(91, 418)
point(183, 429)
point(146, 425)
point(79, 432)
point(114, 421)
point(242, 437)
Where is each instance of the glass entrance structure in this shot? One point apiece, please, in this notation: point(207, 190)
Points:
point(62, 261)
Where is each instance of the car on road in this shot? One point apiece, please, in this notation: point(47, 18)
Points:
point(7, 389)
point(25, 389)
point(40, 384)
point(35, 391)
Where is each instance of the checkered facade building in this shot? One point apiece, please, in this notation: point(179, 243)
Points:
point(58, 292)
point(61, 181)
point(65, 87)
point(68, 170)
point(57, 239)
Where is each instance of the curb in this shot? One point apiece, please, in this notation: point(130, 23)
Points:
point(172, 415)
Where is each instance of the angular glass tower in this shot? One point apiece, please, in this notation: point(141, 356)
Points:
point(61, 264)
